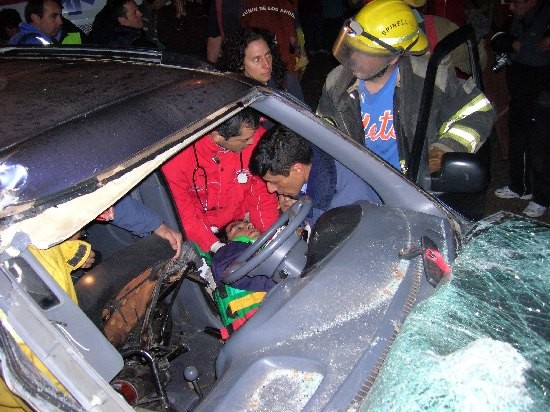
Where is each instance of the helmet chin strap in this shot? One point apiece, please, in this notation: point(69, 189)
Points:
point(378, 74)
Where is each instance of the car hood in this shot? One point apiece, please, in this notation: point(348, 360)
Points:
point(60, 144)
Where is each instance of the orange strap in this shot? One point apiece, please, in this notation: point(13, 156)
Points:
point(431, 31)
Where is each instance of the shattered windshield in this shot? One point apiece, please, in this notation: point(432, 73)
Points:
point(482, 341)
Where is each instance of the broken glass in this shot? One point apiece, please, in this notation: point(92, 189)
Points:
point(482, 341)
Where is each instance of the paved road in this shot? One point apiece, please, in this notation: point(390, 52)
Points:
point(188, 35)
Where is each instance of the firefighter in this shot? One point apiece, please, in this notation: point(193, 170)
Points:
point(374, 94)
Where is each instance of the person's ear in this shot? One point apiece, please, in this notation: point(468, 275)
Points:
point(297, 168)
point(216, 137)
point(122, 20)
point(35, 19)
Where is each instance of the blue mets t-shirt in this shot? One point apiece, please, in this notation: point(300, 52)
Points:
point(377, 117)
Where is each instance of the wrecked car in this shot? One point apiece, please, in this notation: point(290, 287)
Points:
point(82, 128)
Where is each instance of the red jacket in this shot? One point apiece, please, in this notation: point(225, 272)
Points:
point(225, 198)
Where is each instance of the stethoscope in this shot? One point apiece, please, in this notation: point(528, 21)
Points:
point(200, 171)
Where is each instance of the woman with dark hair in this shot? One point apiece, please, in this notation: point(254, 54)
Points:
point(255, 53)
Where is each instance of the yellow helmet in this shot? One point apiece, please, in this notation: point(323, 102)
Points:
point(381, 28)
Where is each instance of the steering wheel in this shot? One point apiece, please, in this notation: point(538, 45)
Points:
point(249, 259)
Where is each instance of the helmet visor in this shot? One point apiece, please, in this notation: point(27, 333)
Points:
point(364, 62)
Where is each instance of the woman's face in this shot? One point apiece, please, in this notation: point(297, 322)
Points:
point(258, 61)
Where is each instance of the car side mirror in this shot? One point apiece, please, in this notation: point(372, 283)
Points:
point(461, 173)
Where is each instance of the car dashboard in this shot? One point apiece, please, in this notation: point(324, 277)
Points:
point(354, 286)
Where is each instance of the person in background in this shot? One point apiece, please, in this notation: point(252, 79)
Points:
point(120, 23)
point(150, 10)
point(291, 167)
point(212, 186)
point(525, 43)
point(280, 18)
point(9, 24)
point(382, 74)
point(437, 28)
point(223, 20)
point(254, 52)
point(42, 24)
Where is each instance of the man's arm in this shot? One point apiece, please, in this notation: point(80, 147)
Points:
point(134, 216)
point(213, 48)
point(214, 36)
point(466, 117)
point(172, 236)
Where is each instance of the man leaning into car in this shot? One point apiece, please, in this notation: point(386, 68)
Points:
point(292, 167)
point(212, 186)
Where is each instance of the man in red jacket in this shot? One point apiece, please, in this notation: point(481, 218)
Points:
point(212, 185)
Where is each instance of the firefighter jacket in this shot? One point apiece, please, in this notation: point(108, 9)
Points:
point(59, 261)
point(213, 192)
point(460, 120)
